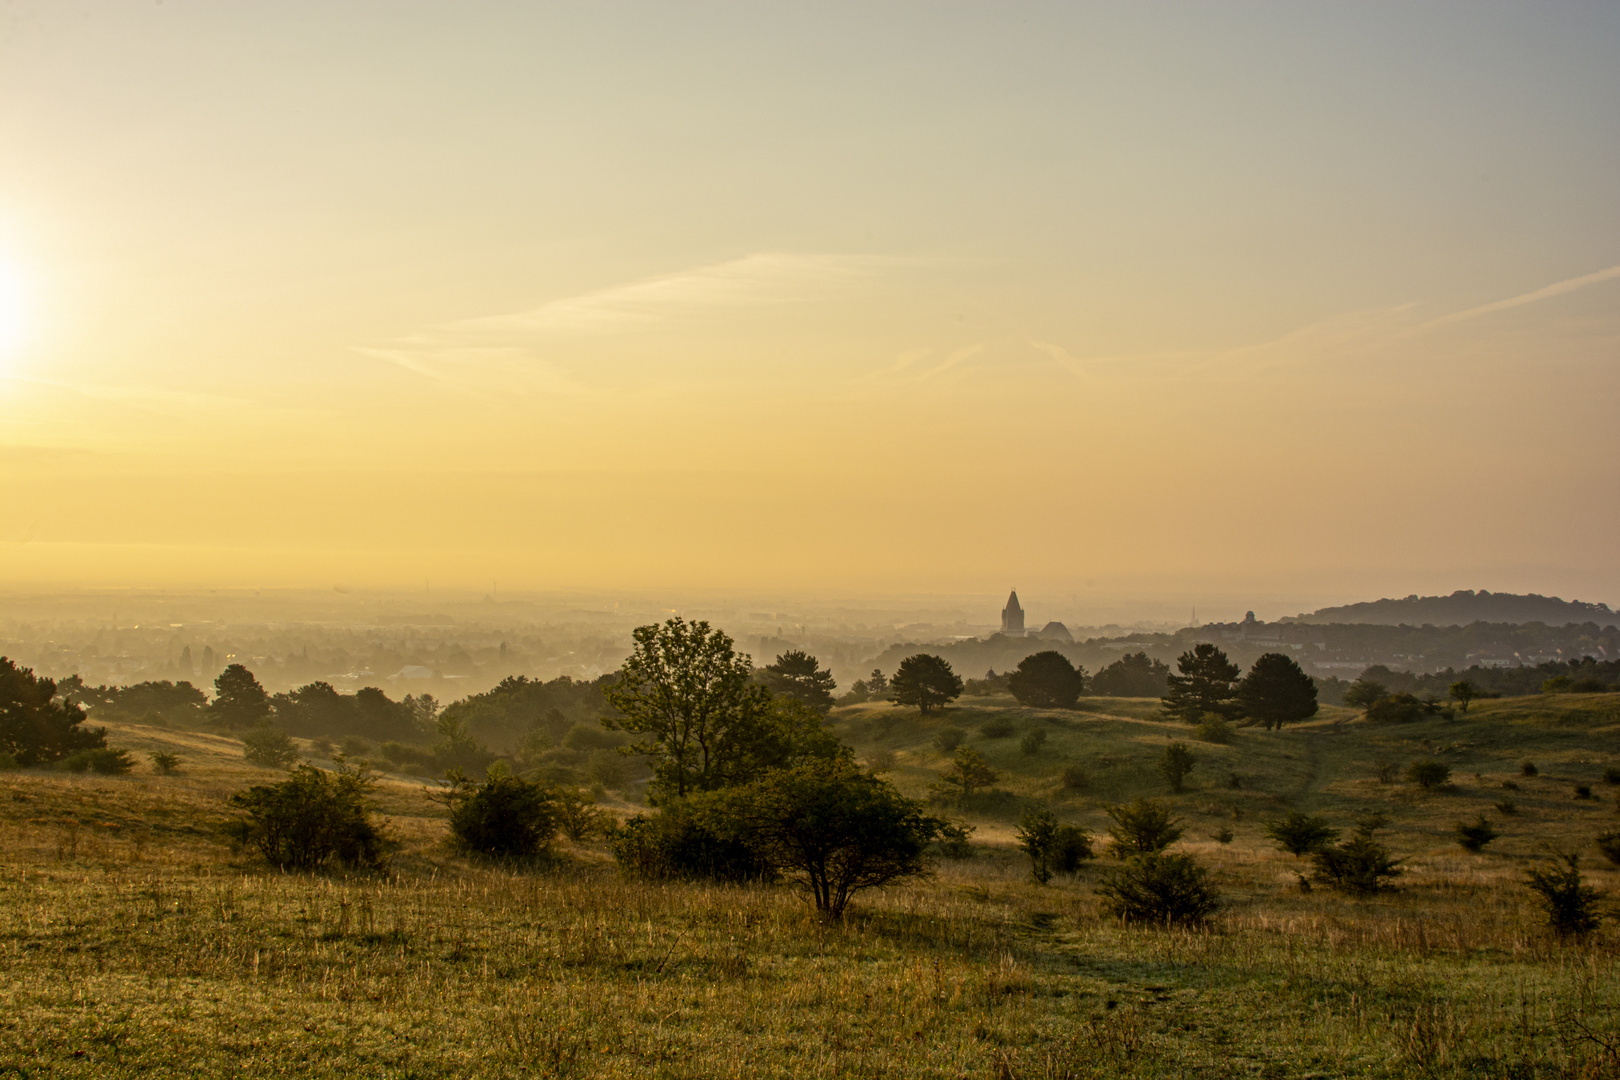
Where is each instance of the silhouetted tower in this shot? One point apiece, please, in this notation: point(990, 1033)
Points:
point(1012, 616)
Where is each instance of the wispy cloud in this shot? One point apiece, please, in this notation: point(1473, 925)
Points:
point(1546, 293)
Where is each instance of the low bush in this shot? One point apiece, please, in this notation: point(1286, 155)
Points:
point(1429, 773)
point(1398, 709)
point(269, 747)
point(1142, 828)
point(1214, 728)
point(999, 728)
point(164, 763)
point(1360, 865)
point(104, 760)
point(1033, 742)
point(592, 736)
point(1507, 806)
point(947, 739)
point(505, 816)
point(881, 761)
point(311, 818)
point(1176, 763)
point(674, 844)
point(1584, 792)
point(1529, 769)
point(1075, 778)
point(1300, 834)
point(1611, 776)
point(1474, 837)
point(1570, 904)
point(1609, 844)
point(955, 840)
point(580, 818)
point(1160, 888)
point(1223, 835)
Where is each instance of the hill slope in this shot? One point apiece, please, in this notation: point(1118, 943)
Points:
point(1463, 607)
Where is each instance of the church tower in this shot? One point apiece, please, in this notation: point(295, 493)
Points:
point(1012, 617)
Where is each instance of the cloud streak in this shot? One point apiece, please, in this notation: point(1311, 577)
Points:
point(1558, 288)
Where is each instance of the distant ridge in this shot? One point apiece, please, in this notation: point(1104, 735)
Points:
point(1461, 608)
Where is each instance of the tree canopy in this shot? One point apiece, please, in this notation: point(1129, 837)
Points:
point(1276, 692)
point(1205, 685)
point(239, 700)
point(34, 727)
point(925, 681)
point(798, 675)
point(1132, 675)
point(1047, 680)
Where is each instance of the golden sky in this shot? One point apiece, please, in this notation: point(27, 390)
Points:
point(1265, 298)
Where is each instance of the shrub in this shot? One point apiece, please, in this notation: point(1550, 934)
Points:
point(1033, 742)
point(674, 844)
point(8, 760)
point(1584, 791)
point(968, 773)
point(311, 817)
point(1052, 847)
point(326, 748)
point(1359, 865)
point(948, 739)
point(1428, 774)
point(1176, 763)
point(882, 761)
point(1510, 785)
point(164, 763)
point(1160, 888)
point(1609, 844)
point(1508, 806)
point(1142, 828)
point(355, 746)
point(1075, 778)
point(505, 816)
point(579, 817)
point(592, 736)
point(1386, 770)
point(1301, 834)
point(1474, 837)
point(608, 768)
point(1528, 769)
point(1570, 904)
point(999, 728)
point(269, 747)
point(1223, 835)
point(104, 760)
point(954, 840)
point(1213, 728)
point(1397, 709)
point(1611, 775)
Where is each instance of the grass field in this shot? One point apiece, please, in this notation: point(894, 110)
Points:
point(135, 942)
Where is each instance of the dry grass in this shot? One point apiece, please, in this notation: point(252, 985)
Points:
point(133, 941)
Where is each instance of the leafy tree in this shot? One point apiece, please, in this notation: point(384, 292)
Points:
point(798, 675)
point(876, 684)
point(505, 816)
point(239, 700)
point(829, 826)
point(1205, 685)
point(1359, 865)
point(969, 772)
point(1301, 834)
point(1052, 847)
point(688, 693)
point(1463, 692)
point(1474, 837)
point(162, 699)
point(1133, 675)
point(1160, 888)
point(1142, 828)
point(924, 681)
point(310, 818)
point(1176, 763)
point(1428, 774)
point(1363, 692)
point(1277, 692)
point(269, 747)
point(1047, 680)
point(36, 727)
point(1570, 904)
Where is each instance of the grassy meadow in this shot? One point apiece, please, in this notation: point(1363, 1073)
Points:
point(135, 942)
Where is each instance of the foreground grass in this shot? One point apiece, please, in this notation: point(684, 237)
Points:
point(134, 942)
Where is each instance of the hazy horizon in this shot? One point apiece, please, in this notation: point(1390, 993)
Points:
point(1138, 309)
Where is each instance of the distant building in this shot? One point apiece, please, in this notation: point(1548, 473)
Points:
point(1012, 617)
point(1055, 631)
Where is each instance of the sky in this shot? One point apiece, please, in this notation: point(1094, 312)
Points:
point(1171, 301)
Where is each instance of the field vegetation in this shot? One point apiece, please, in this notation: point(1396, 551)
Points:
point(142, 932)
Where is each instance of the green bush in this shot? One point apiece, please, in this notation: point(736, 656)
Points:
point(1474, 837)
point(1214, 728)
point(1397, 709)
point(1176, 763)
point(1570, 904)
point(104, 760)
point(1142, 828)
point(505, 816)
point(1224, 835)
point(948, 739)
point(1033, 742)
point(1052, 847)
point(1301, 834)
point(592, 736)
point(674, 844)
point(999, 728)
point(1529, 769)
point(1428, 774)
point(1359, 865)
point(269, 747)
point(955, 840)
point(311, 818)
point(1075, 778)
point(1584, 792)
point(1160, 888)
point(164, 763)
point(580, 818)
